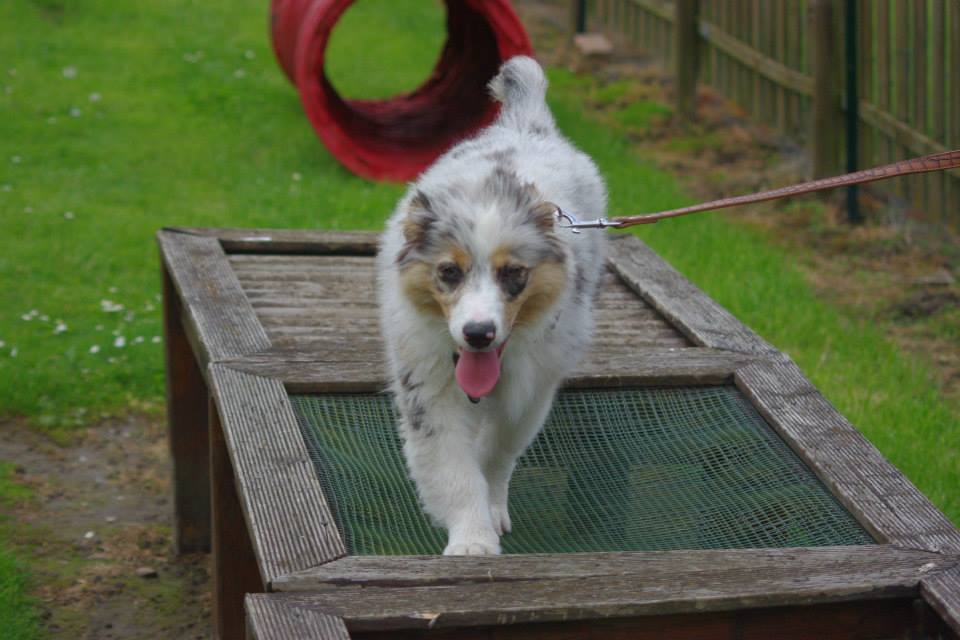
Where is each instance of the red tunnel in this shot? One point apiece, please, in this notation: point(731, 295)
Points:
point(397, 138)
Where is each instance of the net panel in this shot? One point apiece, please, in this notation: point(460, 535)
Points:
point(613, 470)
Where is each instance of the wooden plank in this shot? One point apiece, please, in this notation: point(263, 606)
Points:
point(235, 571)
point(863, 620)
point(686, 42)
point(187, 429)
point(271, 619)
point(826, 134)
point(941, 590)
point(883, 63)
point(288, 517)
point(865, 62)
point(900, 99)
point(919, 66)
point(654, 567)
point(316, 299)
point(938, 122)
point(218, 317)
point(756, 61)
point(658, 590)
point(288, 241)
point(871, 488)
point(308, 372)
point(902, 134)
point(689, 310)
point(658, 9)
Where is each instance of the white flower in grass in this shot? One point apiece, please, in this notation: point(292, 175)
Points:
point(155, 339)
point(296, 176)
point(13, 352)
point(120, 342)
point(89, 535)
point(75, 112)
point(239, 73)
point(15, 159)
point(249, 55)
point(69, 215)
point(30, 315)
point(112, 360)
point(95, 349)
point(60, 328)
point(109, 306)
point(70, 72)
point(95, 97)
point(2, 344)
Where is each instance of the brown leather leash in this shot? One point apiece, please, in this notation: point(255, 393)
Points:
point(923, 164)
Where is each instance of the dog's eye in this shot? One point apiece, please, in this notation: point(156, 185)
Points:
point(450, 273)
point(513, 278)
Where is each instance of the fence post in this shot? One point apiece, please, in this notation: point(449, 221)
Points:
point(686, 42)
point(577, 17)
point(826, 134)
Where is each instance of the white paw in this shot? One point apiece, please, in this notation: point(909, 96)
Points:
point(472, 549)
point(501, 519)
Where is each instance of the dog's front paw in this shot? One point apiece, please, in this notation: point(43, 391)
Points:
point(473, 541)
point(476, 548)
point(501, 519)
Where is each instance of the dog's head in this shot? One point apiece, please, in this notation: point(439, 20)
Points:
point(486, 259)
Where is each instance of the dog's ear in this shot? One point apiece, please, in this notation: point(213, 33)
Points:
point(416, 226)
point(543, 215)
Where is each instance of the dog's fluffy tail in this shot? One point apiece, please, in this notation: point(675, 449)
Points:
point(521, 87)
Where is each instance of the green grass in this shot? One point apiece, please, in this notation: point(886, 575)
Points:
point(122, 117)
point(18, 619)
point(181, 117)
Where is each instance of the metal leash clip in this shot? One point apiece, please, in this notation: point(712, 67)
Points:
point(574, 224)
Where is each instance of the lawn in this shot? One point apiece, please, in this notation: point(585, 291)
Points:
point(121, 118)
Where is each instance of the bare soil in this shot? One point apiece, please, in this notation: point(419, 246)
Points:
point(97, 534)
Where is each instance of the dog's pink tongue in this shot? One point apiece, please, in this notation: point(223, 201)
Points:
point(477, 372)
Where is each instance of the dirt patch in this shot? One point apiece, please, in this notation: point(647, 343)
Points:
point(895, 270)
point(97, 534)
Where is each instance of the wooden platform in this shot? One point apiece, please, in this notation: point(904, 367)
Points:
point(253, 315)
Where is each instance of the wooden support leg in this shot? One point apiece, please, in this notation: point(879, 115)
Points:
point(187, 398)
point(235, 571)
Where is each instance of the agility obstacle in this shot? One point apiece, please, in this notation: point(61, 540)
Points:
point(690, 479)
point(397, 138)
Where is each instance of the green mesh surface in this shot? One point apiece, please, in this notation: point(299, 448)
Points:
point(614, 470)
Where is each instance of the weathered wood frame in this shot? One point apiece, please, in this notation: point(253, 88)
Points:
point(273, 531)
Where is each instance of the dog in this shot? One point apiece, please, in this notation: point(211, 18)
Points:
point(486, 304)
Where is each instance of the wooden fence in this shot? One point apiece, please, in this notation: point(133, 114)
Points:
point(782, 61)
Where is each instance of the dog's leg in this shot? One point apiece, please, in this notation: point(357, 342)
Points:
point(443, 458)
point(510, 443)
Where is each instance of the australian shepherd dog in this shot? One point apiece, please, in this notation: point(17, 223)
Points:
point(486, 304)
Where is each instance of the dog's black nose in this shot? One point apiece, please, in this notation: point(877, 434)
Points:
point(479, 334)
